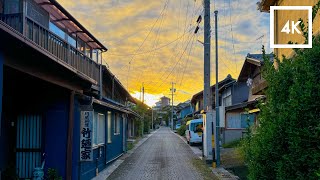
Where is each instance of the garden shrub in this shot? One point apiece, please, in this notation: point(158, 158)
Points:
point(286, 144)
point(181, 131)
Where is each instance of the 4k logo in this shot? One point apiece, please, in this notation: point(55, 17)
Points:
point(291, 27)
point(294, 26)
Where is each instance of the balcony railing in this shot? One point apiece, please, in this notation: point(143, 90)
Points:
point(53, 44)
point(13, 20)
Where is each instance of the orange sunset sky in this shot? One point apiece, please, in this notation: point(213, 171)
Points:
point(151, 42)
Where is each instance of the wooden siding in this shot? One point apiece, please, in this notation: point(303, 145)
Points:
point(53, 44)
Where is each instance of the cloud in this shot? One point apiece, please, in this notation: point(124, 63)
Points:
point(124, 27)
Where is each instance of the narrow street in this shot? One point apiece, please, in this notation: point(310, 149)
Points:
point(162, 156)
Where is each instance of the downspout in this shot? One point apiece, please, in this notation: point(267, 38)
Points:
point(100, 77)
point(70, 139)
point(113, 88)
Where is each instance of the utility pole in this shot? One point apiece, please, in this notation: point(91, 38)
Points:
point(152, 118)
point(143, 93)
point(172, 94)
point(217, 133)
point(207, 106)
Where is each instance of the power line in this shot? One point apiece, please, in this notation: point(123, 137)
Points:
point(154, 45)
point(230, 10)
point(177, 61)
point(164, 8)
point(152, 50)
point(186, 20)
point(186, 67)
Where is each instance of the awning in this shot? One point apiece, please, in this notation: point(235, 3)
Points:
point(64, 20)
point(115, 107)
point(254, 110)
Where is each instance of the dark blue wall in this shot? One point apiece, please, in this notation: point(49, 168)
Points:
point(76, 141)
point(240, 92)
point(115, 148)
point(185, 111)
point(37, 97)
point(87, 170)
point(56, 128)
point(2, 139)
point(1, 82)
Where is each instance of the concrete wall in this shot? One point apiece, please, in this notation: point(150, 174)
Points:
point(281, 17)
point(232, 135)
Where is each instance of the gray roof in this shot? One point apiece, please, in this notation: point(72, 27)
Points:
point(259, 56)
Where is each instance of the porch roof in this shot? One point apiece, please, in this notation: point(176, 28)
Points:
point(64, 20)
point(116, 107)
point(241, 105)
point(251, 62)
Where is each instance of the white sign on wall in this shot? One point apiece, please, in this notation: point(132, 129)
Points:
point(86, 152)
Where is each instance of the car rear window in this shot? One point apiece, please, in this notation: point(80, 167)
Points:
point(196, 127)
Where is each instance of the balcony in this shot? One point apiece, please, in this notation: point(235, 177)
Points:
point(30, 30)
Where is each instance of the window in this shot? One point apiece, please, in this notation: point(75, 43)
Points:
point(72, 41)
point(99, 126)
point(96, 56)
point(87, 50)
point(109, 127)
point(1, 6)
point(11, 6)
point(56, 30)
point(239, 120)
point(117, 124)
point(196, 127)
point(227, 98)
point(247, 119)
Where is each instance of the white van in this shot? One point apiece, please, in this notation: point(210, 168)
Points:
point(194, 131)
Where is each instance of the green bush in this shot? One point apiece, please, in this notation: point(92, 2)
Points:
point(53, 174)
point(286, 145)
point(181, 131)
point(231, 144)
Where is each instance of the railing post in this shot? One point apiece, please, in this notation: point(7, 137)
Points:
point(24, 12)
point(68, 54)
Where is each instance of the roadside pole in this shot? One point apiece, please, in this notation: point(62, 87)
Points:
point(152, 118)
point(217, 124)
point(172, 93)
point(207, 105)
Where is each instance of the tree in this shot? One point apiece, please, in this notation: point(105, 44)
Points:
point(286, 145)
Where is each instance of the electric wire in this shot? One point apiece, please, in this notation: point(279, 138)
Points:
point(164, 8)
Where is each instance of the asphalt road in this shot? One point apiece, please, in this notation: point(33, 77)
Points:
point(163, 156)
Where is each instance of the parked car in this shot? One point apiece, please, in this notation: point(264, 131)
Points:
point(194, 131)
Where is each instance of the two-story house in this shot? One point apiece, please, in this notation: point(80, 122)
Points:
point(184, 110)
point(232, 93)
point(243, 113)
point(60, 105)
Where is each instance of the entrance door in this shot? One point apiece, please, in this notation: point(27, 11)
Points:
point(28, 147)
